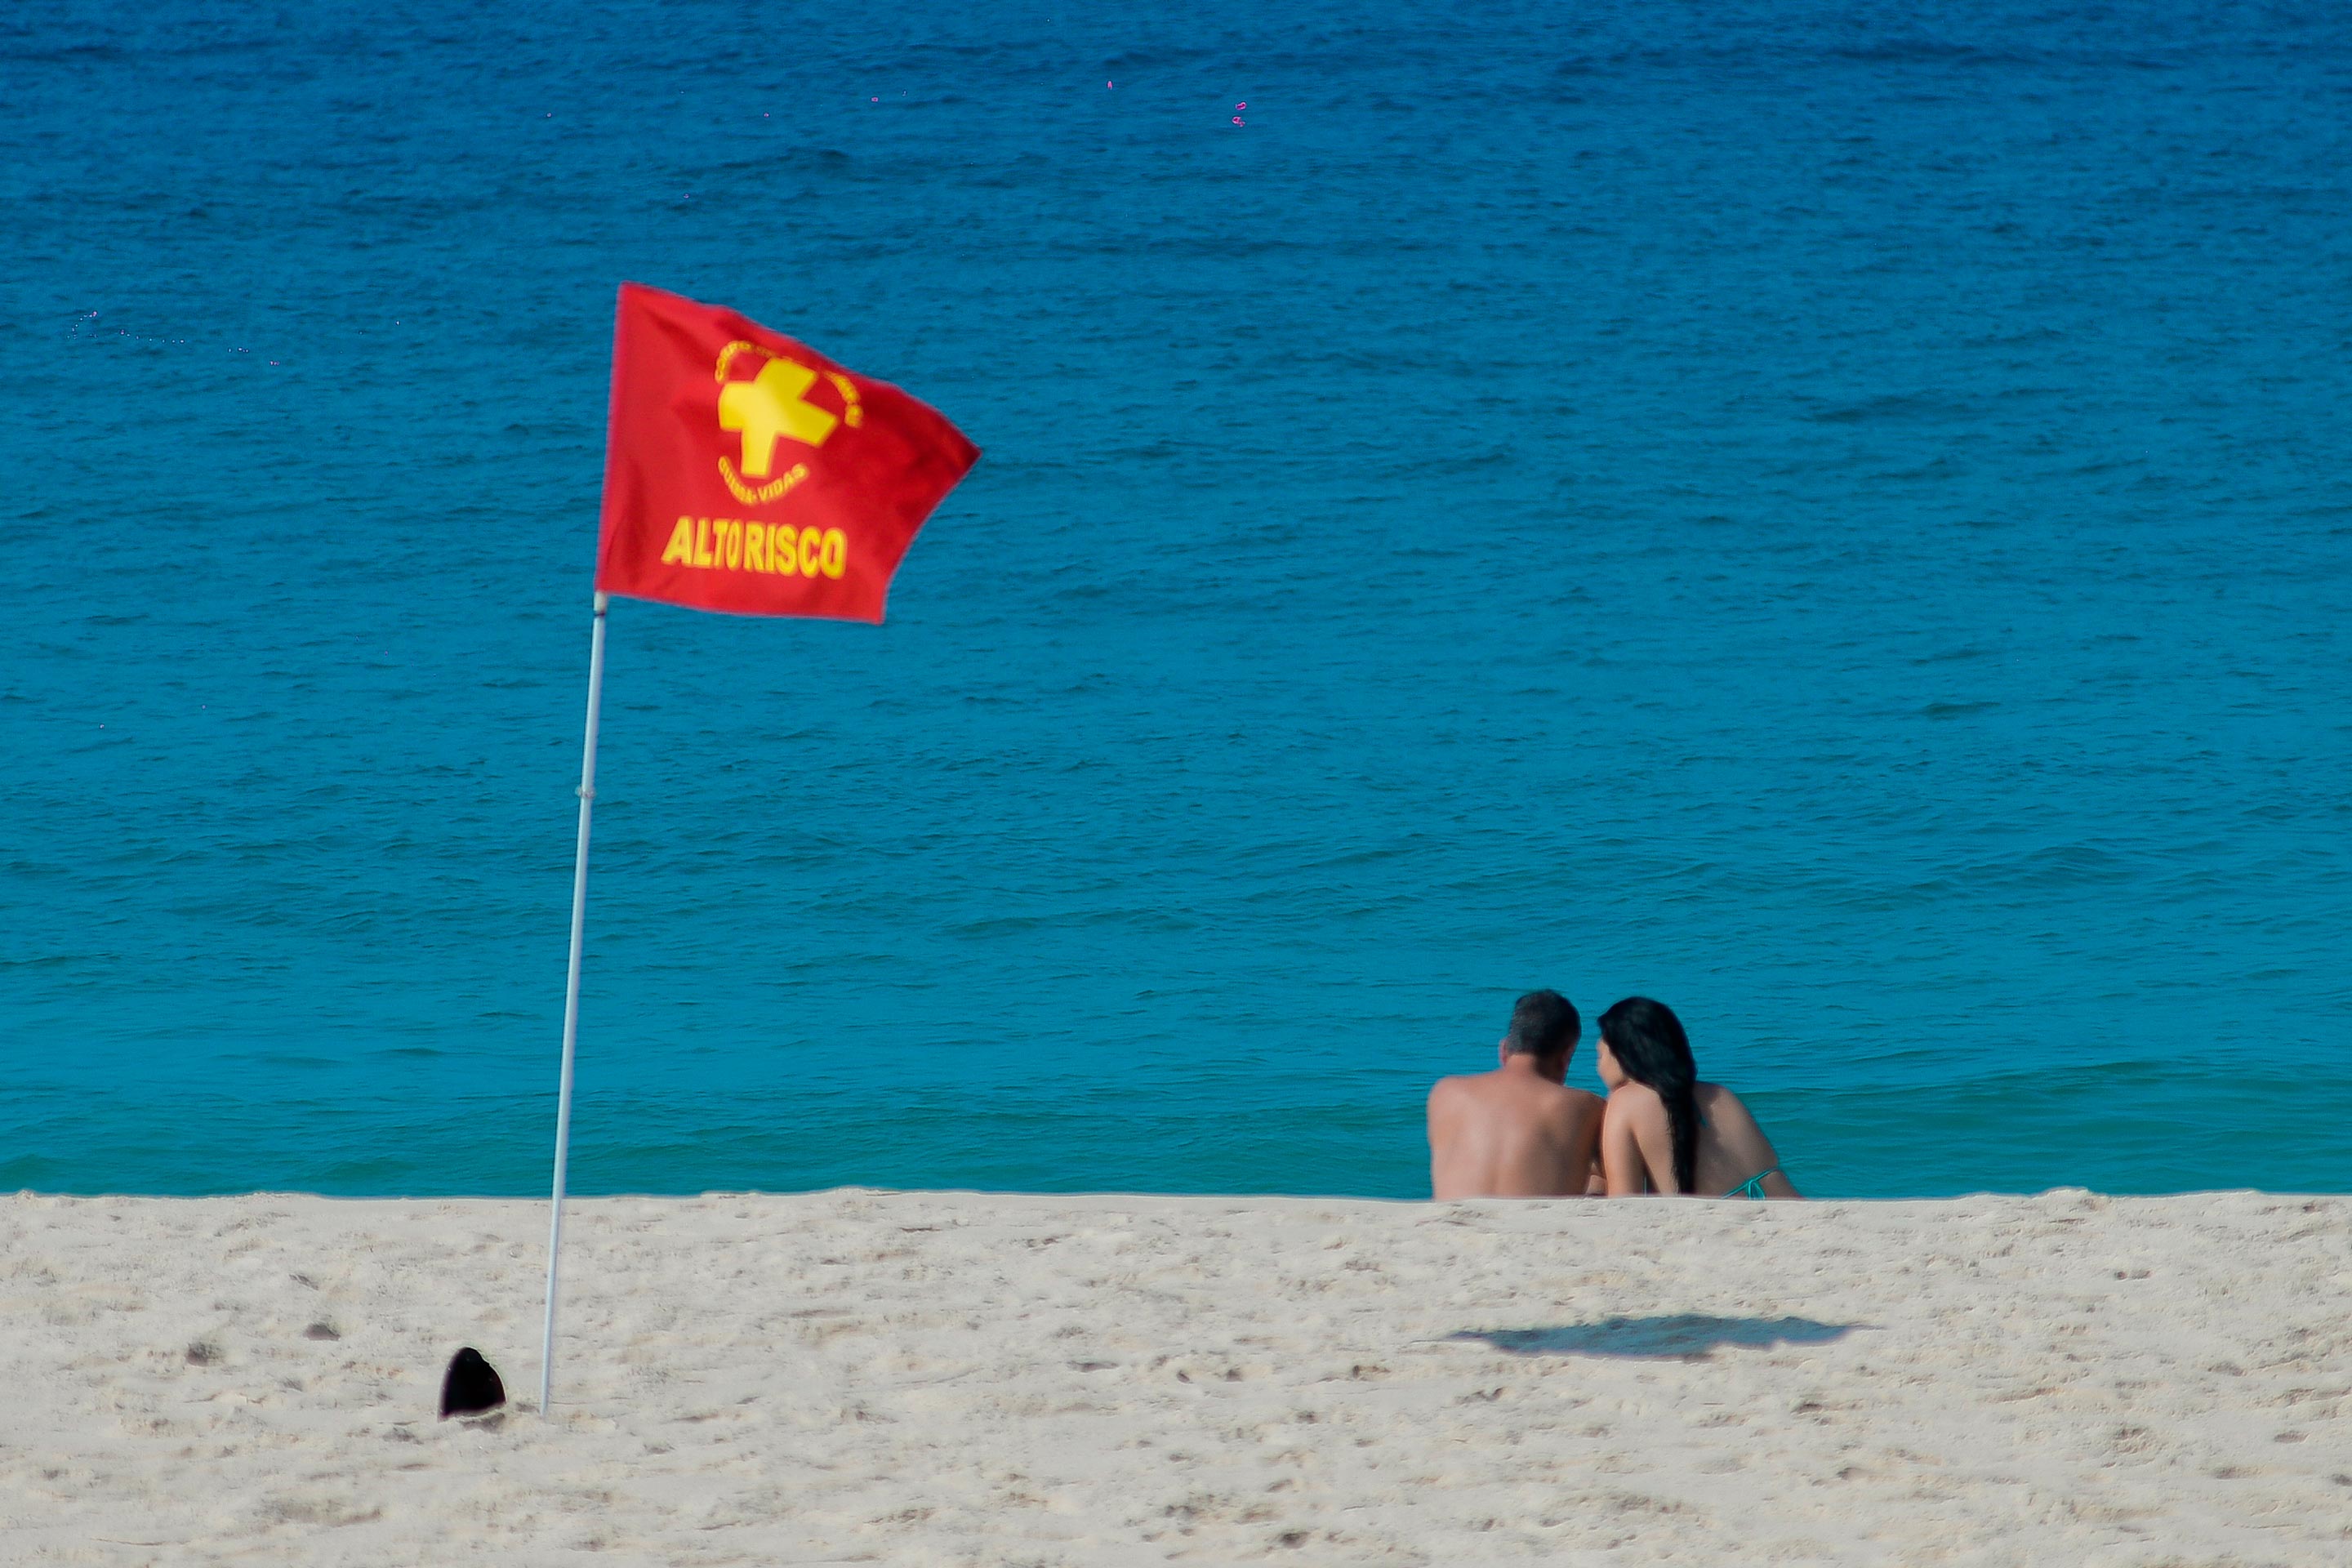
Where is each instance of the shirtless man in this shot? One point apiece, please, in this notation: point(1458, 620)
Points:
point(1517, 1132)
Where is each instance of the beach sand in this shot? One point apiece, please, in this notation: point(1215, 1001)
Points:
point(953, 1378)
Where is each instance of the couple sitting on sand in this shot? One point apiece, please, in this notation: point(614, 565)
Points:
point(1520, 1133)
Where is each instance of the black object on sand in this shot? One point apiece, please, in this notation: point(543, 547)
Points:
point(472, 1386)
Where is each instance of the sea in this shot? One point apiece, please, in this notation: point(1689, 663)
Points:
point(1837, 517)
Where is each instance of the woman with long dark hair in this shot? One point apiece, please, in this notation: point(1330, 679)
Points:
point(1663, 1131)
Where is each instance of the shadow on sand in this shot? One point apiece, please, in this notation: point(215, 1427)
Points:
point(1684, 1336)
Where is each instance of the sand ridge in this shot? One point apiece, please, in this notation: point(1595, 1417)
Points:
point(958, 1378)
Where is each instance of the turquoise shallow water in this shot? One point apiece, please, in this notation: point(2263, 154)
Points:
point(1837, 518)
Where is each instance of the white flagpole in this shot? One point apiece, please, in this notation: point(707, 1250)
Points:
point(571, 997)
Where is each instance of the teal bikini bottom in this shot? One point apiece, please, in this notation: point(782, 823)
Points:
point(1753, 1187)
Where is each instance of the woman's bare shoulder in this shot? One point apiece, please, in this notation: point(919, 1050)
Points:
point(1717, 1103)
point(1635, 1102)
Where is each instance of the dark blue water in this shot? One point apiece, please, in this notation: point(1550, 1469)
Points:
point(1836, 517)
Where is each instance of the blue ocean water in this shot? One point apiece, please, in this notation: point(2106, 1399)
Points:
point(1835, 516)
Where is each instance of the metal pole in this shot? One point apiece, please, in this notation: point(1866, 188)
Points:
point(587, 793)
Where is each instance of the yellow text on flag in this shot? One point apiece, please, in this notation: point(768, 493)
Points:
point(733, 544)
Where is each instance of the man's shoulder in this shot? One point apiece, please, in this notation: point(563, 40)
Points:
point(1449, 1087)
point(1579, 1101)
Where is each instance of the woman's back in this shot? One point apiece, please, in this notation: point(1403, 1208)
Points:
point(1735, 1159)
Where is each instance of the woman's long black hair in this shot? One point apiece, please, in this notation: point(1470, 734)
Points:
point(1648, 1042)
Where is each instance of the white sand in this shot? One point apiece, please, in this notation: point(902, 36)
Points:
point(957, 1378)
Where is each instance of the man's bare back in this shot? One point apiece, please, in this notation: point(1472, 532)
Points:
point(1517, 1132)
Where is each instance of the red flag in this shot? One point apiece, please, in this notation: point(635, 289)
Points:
point(748, 473)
